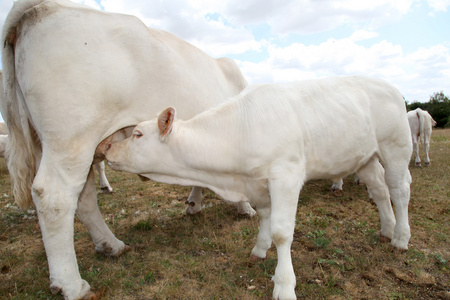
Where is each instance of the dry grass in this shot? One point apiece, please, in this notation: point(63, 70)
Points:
point(336, 251)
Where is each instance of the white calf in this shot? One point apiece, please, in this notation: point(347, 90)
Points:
point(421, 124)
point(265, 144)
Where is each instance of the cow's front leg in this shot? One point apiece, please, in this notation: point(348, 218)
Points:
point(88, 212)
point(284, 191)
point(55, 194)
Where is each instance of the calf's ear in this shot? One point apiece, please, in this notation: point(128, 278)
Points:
point(165, 121)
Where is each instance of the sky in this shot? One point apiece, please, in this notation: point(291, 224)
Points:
point(405, 42)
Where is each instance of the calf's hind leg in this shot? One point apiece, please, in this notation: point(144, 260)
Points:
point(398, 180)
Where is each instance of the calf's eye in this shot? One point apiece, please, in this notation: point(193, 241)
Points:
point(137, 134)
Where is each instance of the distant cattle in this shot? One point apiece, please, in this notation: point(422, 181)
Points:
point(73, 77)
point(421, 124)
point(265, 144)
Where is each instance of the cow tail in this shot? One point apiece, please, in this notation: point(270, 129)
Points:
point(421, 117)
point(22, 140)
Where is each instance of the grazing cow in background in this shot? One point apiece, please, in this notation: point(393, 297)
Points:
point(73, 76)
point(266, 143)
point(421, 124)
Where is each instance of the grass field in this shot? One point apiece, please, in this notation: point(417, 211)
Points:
point(336, 251)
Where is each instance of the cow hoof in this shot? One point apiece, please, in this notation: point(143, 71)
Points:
point(108, 250)
point(94, 296)
point(418, 165)
point(427, 164)
point(106, 190)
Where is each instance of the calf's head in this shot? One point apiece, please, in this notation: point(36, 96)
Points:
point(146, 150)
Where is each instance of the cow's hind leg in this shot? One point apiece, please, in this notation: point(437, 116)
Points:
point(426, 147)
point(416, 152)
point(373, 175)
point(88, 212)
point(55, 192)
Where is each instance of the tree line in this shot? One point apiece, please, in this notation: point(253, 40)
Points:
point(438, 106)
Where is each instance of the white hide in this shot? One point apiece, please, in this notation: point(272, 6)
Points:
point(265, 144)
point(100, 166)
point(74, 76)
point(421, 124)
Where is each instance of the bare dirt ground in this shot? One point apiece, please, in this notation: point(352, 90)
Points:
point(336, 250)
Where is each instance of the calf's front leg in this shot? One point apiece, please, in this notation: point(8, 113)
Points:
point(284, 192)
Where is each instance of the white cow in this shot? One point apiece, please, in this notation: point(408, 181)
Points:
point(421, 124)
point(265, 144)
point(74, 76)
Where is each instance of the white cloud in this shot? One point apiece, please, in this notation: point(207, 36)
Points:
point(306, 16)
point(361, 35)
point(90, 3)
point(417, 75)
point(439, 5)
